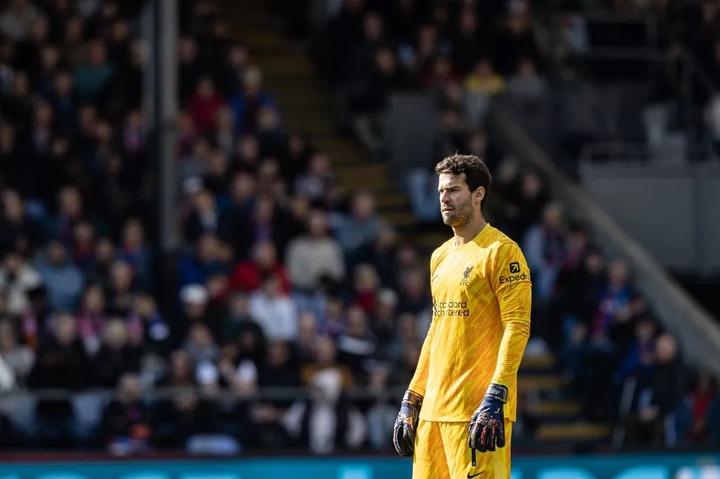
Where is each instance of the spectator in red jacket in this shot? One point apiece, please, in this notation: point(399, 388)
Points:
point(247, 275)
point(204, 105)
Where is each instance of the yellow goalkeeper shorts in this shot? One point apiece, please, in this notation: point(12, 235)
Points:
point(441, 452)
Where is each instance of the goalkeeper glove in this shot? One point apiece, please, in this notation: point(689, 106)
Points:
point(406, 423)
point(487, 426)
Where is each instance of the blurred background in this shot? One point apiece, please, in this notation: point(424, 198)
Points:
point(216, 218)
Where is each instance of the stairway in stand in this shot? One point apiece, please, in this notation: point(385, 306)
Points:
point(307, 108)
point(307, 105)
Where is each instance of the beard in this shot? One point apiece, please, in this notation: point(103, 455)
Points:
point(459, 216)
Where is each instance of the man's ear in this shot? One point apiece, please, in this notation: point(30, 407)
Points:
point(479, 193)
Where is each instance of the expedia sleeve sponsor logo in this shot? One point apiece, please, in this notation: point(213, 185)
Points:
point(515, 275)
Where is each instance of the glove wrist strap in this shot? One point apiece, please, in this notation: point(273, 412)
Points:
point(412, 399)
point(498, 392)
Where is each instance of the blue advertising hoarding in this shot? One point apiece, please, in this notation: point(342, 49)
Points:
point(659, 466)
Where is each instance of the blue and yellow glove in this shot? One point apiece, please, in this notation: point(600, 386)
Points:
point(406, 423)
point(487, 426)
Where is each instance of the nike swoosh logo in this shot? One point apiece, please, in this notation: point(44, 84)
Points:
point(433, 278)
point(470, 476)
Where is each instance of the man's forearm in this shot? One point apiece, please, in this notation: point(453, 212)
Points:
point(512, 349)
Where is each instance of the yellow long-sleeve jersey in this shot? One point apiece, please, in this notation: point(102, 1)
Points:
point(481, 323)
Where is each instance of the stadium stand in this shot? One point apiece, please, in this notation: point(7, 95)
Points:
point(302, 283)
point(648, 71)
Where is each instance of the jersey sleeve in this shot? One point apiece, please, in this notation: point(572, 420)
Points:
point(510, 278)
point(418, 384)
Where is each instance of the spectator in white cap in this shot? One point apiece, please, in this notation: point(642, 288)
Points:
point(194, 299)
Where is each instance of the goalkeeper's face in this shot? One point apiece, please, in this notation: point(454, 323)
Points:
point(456, 200)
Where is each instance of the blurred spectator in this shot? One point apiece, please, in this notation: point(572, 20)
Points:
point(241, 374)
point(134, 251)
point(484, 80)
point(326, 358)
point(200, 345)
point(333, 317)
point(247, 275)
point(59, 364)
point(525, 86)
point(270, 134)
point(312, 258)
point(295, 157)
point(179, 418)
point(516, 37)
point(413, 291)
point(92, 76)
point(357, 344)
point(207, 259)
point(126, 419)
point(205, 104)
point(190, 66)
point(17, 279)
point(359, 228)
point(147, 326)
point(17, 18)
point(467, 36)
point(204, 217)
point(180, 372)
point(381, 412)
point(544, 247)
point(231, 73)
point(116, 355)
point(368, 104)
point(341, 34)
point(63, 279)
point(316, 182)
point(654, 422)
point(18, 358)
point(249, 100)
point(18, 231)
point(195, 308)
point(326, 422)
point(365, 285)
point(267, 221)
point(224, 136)
point(273, 309)
point(121, 288)
point(614, 304)
point(422, 185)
point(384, 321)
point(698, 419)
point(279, 371)
point(92, 318)
point(480, 84)
point(308, 335)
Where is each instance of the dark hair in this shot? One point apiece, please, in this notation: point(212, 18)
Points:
point(476, 171)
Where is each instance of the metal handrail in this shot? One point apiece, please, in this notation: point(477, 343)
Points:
point(632, 150)
point(698, 70)
point(629, 151)
point(153, 394)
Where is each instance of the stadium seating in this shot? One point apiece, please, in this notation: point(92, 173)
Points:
point(302, 276)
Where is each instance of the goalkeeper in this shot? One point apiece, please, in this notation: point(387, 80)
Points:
point(456, 416)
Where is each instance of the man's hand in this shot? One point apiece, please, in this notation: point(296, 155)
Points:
point(487, 426)
point(406, 424)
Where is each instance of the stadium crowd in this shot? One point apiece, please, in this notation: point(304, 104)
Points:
point(284, 281)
